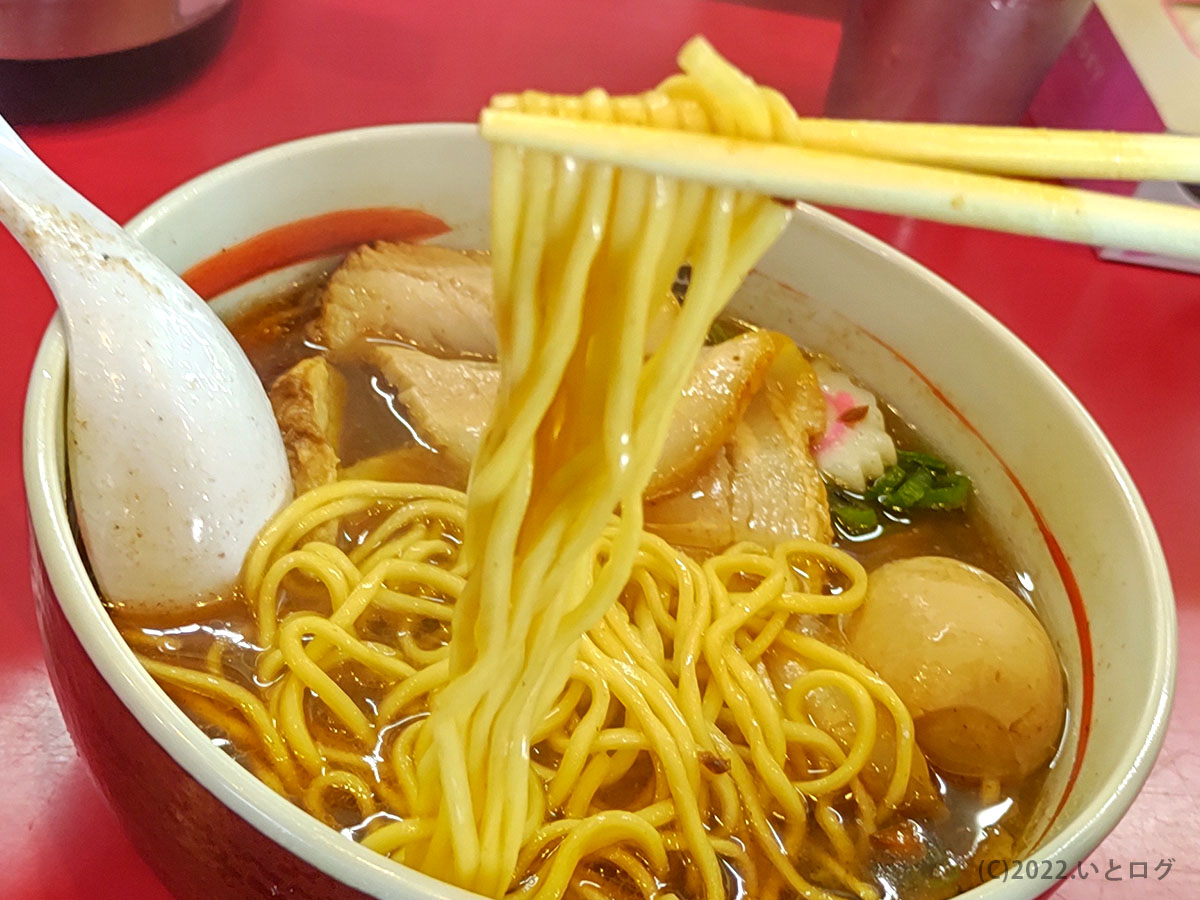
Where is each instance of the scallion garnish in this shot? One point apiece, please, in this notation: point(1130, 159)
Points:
point(917, 481)
point(952, 493)
point(910, 459)
point(920, 481)
point(854, 519)
point(910, 492)
point(888, 481)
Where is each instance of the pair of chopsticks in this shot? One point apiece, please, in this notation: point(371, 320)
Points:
point(959, 174)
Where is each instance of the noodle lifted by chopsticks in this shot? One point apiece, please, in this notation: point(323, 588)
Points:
point(598, 705)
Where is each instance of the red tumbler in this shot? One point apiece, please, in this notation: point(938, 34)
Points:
point(968, 61)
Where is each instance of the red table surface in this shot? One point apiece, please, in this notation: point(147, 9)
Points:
point(1126, 340)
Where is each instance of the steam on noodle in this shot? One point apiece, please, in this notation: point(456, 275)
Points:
point(601, 708)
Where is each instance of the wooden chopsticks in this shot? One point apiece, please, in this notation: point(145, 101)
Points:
point(1027, 152)
point(946, 173)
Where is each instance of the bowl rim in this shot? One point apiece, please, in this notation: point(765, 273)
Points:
point(327, 850)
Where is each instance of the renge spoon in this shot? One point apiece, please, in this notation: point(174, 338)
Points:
point(175, 461)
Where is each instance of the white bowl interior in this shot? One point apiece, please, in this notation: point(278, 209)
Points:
point(973, 388)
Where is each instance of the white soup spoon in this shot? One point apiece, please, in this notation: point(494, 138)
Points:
point(174, 458)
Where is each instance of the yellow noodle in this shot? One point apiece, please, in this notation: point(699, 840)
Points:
point(588, 663)
point(622, 758)
point(389, 838)
point(293, 725)
point(605, 829)
point(641, 876)
point(584, 788)
point(419, 657)
point(831, 823)
point(313, 564)
point(864, 732)
point(403, 768)
point(266, 775)
point(880, 690)
point(316, 795)
point(213, 714)
point(291, 642)
point(218, 688)
point(574, 756)
point(564, 709)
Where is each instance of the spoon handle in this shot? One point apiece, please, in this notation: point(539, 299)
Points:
point(38, 207)
point(74, 243)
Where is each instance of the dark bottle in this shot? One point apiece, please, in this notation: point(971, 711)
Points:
point(72, 59)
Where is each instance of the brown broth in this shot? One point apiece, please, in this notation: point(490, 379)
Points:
point(928, 854)
point(278, 333)
point(275, 332)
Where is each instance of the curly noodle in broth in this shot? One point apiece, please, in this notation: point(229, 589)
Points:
point(520, 689)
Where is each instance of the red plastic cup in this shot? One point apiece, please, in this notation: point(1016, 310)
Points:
point(968, 61)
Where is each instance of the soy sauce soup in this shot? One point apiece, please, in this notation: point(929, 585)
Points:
point(936, 848)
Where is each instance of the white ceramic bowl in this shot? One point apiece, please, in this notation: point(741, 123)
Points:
point(1047, 477)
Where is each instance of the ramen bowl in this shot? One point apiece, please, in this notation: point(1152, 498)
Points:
point(1060, 500)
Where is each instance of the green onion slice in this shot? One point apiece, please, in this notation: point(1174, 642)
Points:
point(855, 519)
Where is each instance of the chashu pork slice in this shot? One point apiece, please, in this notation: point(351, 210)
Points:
point(723, 382)
point(763, 485)
point(449, 401)
point(433, 298)
point(308, 400)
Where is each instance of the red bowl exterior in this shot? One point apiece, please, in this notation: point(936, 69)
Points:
point(197, 846)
